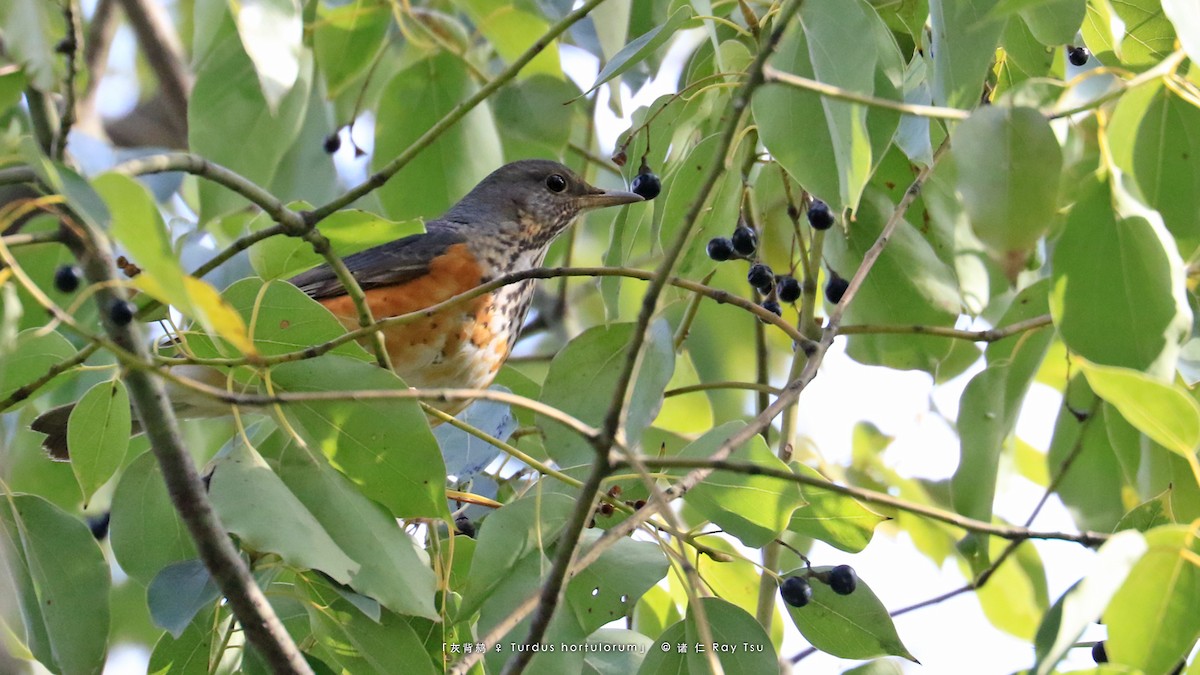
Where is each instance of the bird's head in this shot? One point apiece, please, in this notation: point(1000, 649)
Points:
point(535, 199)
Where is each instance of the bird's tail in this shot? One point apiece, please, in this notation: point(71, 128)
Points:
point(187, 405)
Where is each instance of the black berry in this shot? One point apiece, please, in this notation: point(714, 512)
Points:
point(464, 526)
point(1078, 56)
point(819, 215)
point(605, 509)
point(720, 249)
point(1099, 655)
point(332, 143)
point(99, 525)
point(772, 307)
point(835, 289)
point(67, 278)
point(744, 240)
point(647, 185)
point(788, 288)
point(796, 591)
point(639, 503)
point(843, 580)
point(761, 277)
point(121, 312)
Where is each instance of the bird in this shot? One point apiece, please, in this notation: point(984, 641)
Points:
point(505, 224)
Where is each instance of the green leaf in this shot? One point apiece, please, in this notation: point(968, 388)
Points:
point(616, 650)
point(1165, 413)
point(1080, 606)
point(517, 530)
point(383, 446)
point(345, 40)
point(1154, 137)
point(583, 376)
point(1185, 16)
point(1054, 22)
point(836, 519)
point(98, 435)
point(855, 626)
point(797, 126)
point(1143, 34)
point(146, 532)
point(391, 567)
point(1149, 514)
point(57, 570)
point(354, 643)
point(606, 590)
point(1011, 198)
point(991, 403)
point(963, 45)
point(731, 626)
point(1015, 599)
point(512, 31)
point(257, 506)
point(1118, 288)
point(186, 655)
point(532, 119)
point(31, 27)
point(271, 32)
point(12, 86)
point(137, 225)
point(1093, 489)
point(645, 44)
point(29, 358)
point(178, 593)
point(1152, 620)
point(284, 320)
point(655, 611)
point(227, 107)
point(755, 509)
point(306, 171)
point(908, 285)
point(349, 231)
point(416, 99)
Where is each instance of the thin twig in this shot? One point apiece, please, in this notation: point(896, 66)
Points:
point(451, 118)
point(1011, 532)
point(988, 335)
point(514, 277)
point(931, 111)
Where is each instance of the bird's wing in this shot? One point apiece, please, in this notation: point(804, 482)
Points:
point(385, 265)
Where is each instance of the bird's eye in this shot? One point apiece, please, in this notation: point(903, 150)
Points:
point(556, 183)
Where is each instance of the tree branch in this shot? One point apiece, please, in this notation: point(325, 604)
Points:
point(72, 15)
point(164, 52)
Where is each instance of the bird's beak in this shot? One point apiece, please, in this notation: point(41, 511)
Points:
point(597, 198)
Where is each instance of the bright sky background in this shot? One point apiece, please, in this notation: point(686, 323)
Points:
point(951, 638)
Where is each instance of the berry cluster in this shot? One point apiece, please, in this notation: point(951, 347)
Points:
point(743, 244)
point(797, 591)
